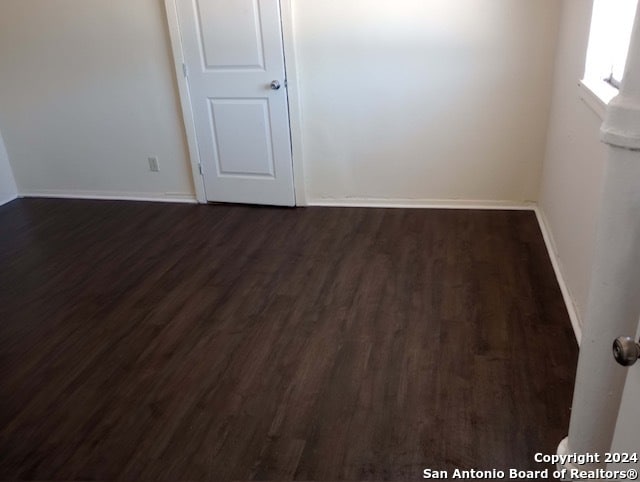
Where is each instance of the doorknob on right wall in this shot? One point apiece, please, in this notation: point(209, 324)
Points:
point(626, 350)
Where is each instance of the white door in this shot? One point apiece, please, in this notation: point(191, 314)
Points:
point(234, 57)
point(626, 438)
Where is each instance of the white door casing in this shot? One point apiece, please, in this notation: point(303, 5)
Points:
point(233, 50)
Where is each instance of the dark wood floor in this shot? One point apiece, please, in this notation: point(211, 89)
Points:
point(150, 341)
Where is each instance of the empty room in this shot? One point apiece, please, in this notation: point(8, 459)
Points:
point(319, 240)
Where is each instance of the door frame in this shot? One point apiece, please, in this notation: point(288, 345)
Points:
point(293, 96)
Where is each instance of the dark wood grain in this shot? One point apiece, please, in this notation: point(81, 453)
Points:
point(147, 341)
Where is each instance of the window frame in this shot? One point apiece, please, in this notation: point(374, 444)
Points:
point(596, 88)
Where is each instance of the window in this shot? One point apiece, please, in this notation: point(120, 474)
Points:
point(611, 25)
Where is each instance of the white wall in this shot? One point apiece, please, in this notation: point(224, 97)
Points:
point(417, 99)
point(87, 94)
point(573, 168)
point(401, 99)
point(8, 190)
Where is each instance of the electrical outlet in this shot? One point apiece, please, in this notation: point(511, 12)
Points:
point(153, 164)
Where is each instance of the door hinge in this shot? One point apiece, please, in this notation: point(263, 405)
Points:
point(200, 168)
point(184, 69)
point(286, 84)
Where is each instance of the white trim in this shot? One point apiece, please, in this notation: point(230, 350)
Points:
point(7, 200)
point(295, 123)
point(596, 94)
point(185, 100)
point(420, 203)
point(557, 267)
point(295, 104)
point(475, 204)
point(621, 127)
point(368, 203)
point(113, 196)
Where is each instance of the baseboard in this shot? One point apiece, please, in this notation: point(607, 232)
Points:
point(360, 202)
point(114, 196)
point(557, 267)
point(473, 204)
point(8, 199)
point(419, 203)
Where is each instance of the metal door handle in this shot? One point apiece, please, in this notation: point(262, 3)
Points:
point(626, 350)
point(275, 85)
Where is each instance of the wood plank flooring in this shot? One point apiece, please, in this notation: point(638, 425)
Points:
point(145, 341)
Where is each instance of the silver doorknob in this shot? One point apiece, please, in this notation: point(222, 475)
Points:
point(275, 85)
point(626, 350)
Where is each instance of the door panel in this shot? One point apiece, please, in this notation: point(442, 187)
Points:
point(230, 48)
point(233, 51)
point(247, 153)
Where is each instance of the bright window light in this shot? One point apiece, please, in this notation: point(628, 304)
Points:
point(611, 25)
